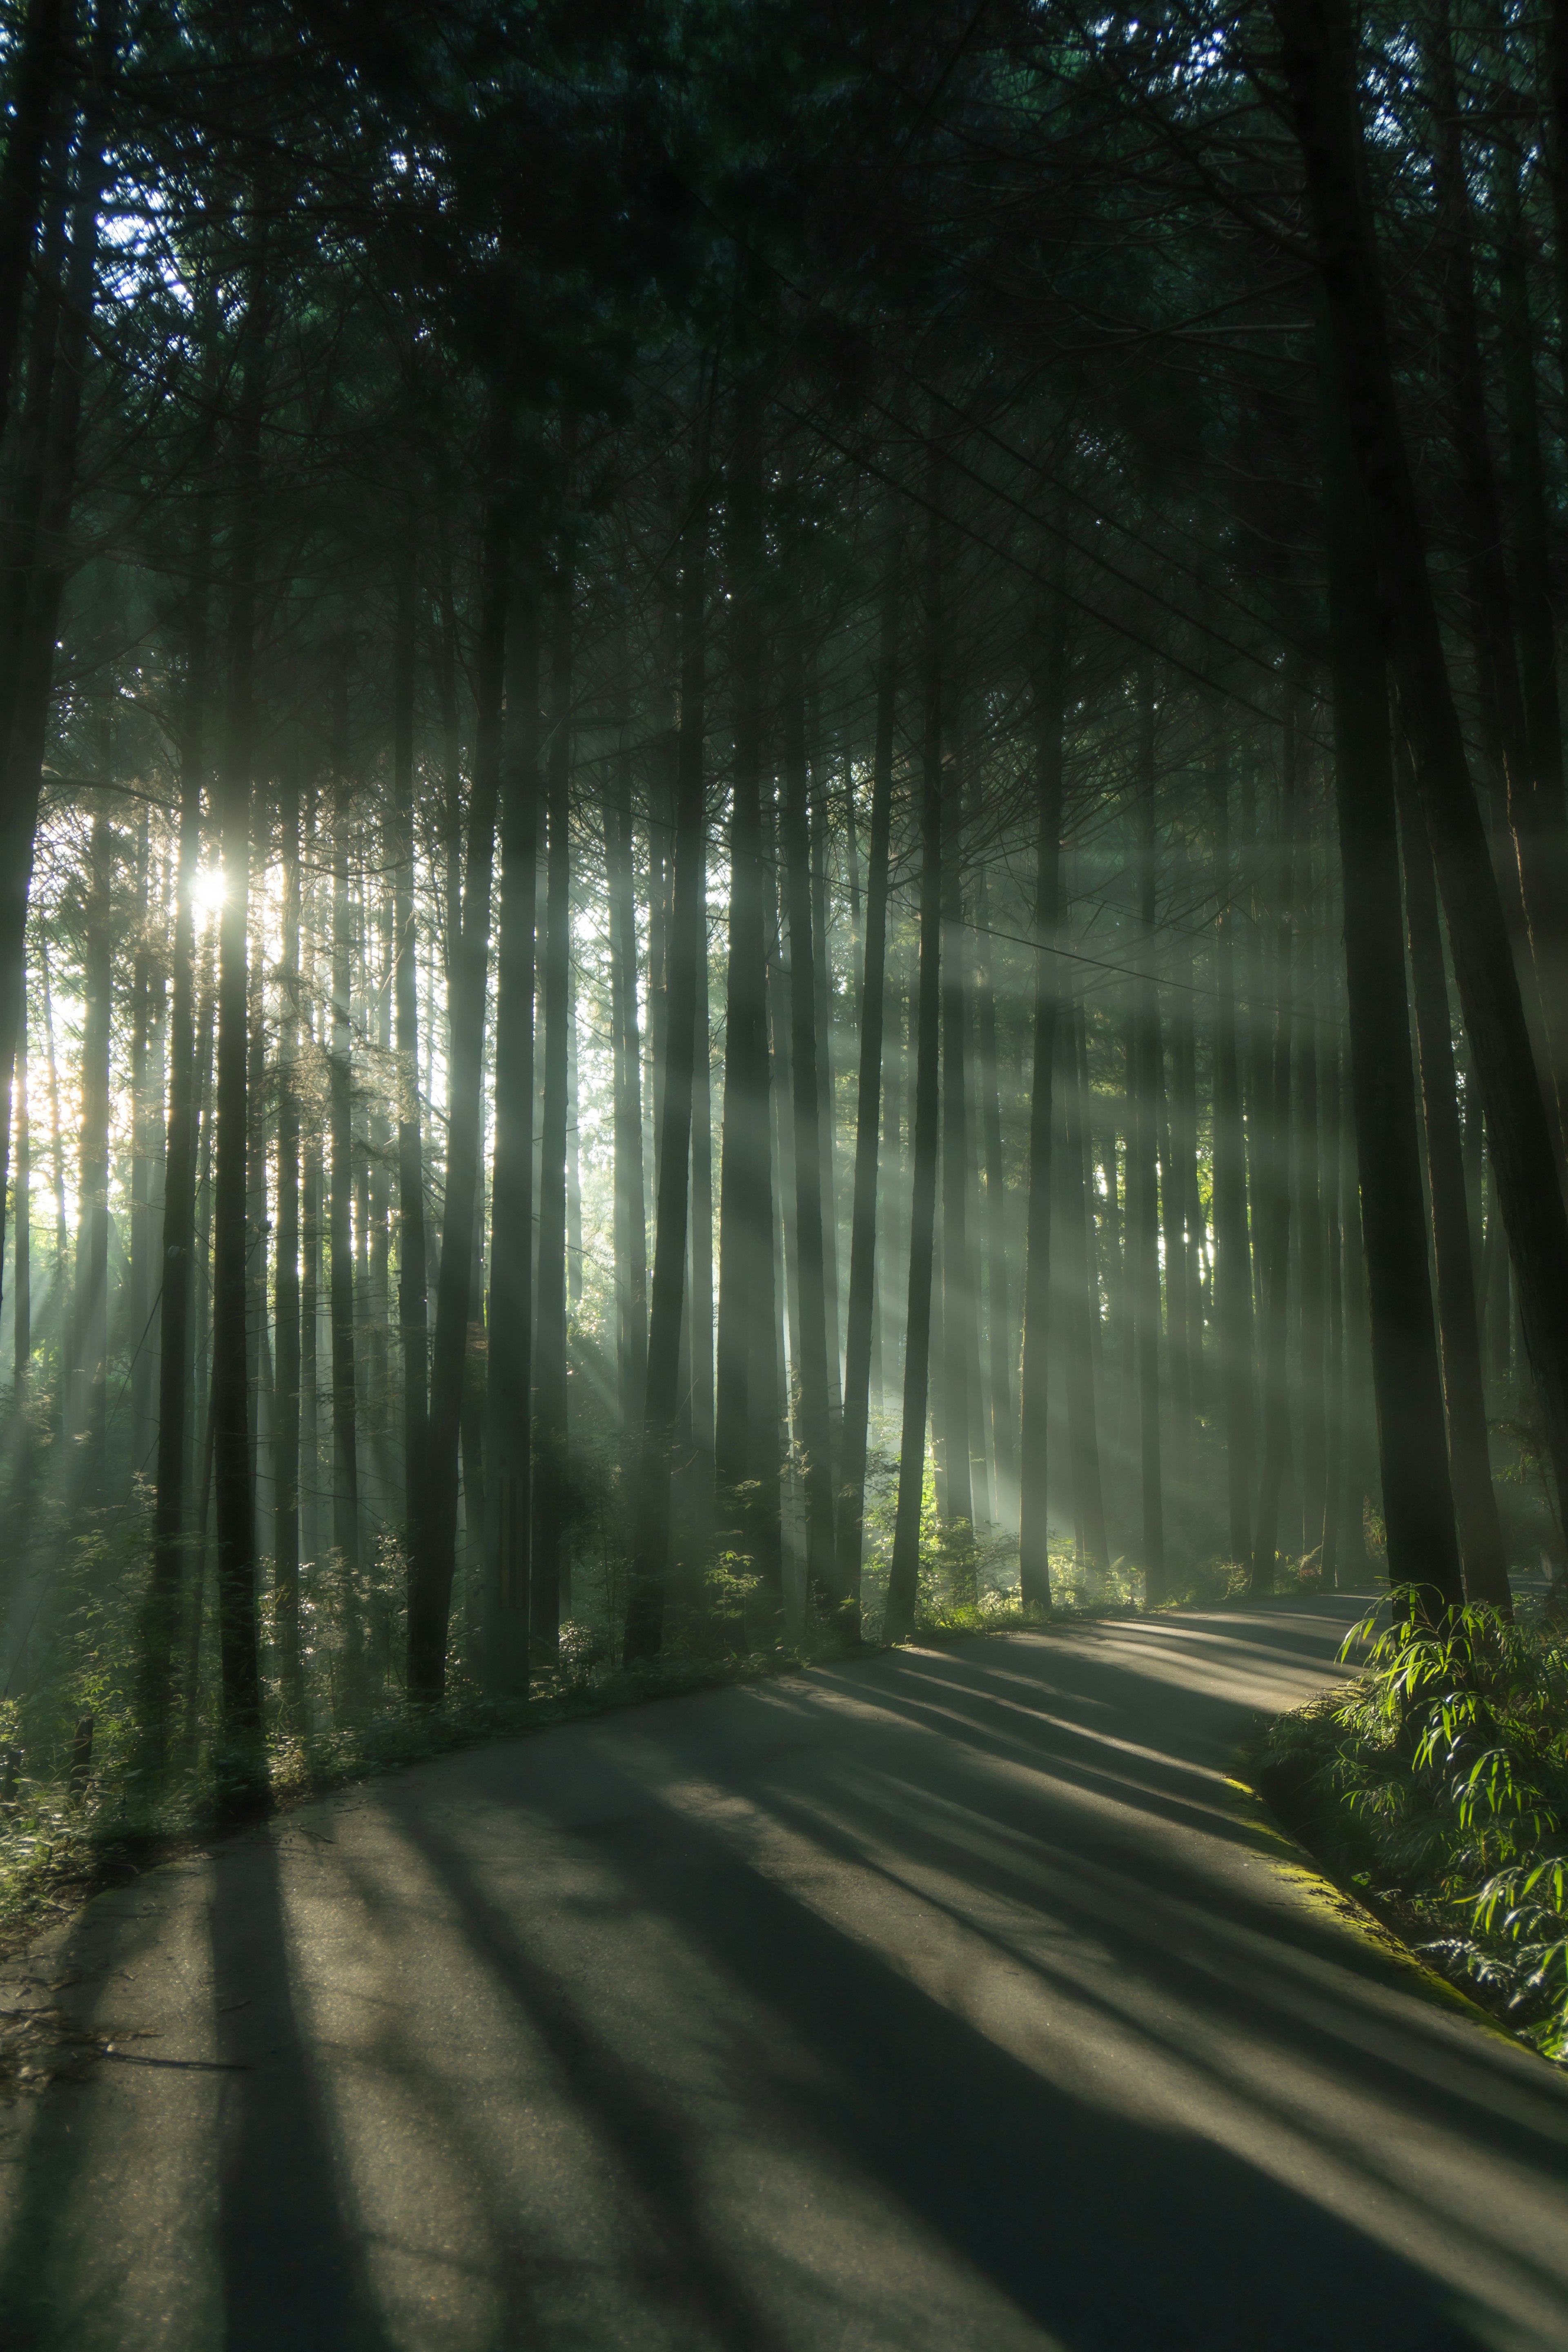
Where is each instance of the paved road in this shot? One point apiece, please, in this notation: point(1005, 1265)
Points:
point(944, 2001)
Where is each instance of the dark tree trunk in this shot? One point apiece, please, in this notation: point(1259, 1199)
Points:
point(630, 1182)
point(48, 485)
point(956, 1405)
point(815, 1421)
point(508, 1493)
point(1050, 714)
point(1307, 1163)
point(36, 80)
point(873, 1001)
point(22, 1279)
point(89, 1367)
point(903, 1576)
point(340, 1263)
point(286, 1374)
point(1418, 1511)
point(1143, 1204)
point(434, 1555)
point(1233, 1265)
point(551, 1550)
point(998, 1321)
point(232, 1470)
point(686, 948)
point(1319, 56)
point(1081, 1292)
point(1470, 1460)
point(412, 1286)
point(1275, 1202)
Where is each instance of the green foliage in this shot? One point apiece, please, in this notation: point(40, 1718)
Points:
point(1437, 1781)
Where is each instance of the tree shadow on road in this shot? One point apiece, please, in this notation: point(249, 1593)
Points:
point(1109, 2233)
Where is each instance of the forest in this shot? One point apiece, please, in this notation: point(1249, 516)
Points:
point(782, 842)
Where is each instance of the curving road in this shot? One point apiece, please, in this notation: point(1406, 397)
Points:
point(943, 2001)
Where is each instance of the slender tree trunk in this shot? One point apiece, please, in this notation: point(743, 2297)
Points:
point(1083, 1303)
point(233, 1472)
point(1469, 1459)
point(1308, 1161)
point(903, 1576)
point(434, 1555)
point(630, 1182)
point(90, 1340)
point(873, 1001)
point(997, 1297)
point(815, 1421)
point(686, 948)
point(552, 1549)
point(22, 1280)
point(509, 1492)
point(140, 1284)
point(1334, 1363)
point(1276, 1202)
point(1050, 717)
point(285, 1376)
point(1233, 1268)
point(412, 1280)
point(1144, 1226)
point(341, 1261)
point(954, 1402)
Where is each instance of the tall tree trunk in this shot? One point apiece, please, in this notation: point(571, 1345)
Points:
point(1334, 1338)
point(509, 1490)
point(89, 1367)
point(341, 1260)
point(552, 1549)
point(233, 1472)
point(1082, 1293)
point(1481, 1551)
point(1318, 55)
point(1417, 1503)
point(40, 65)
point(1275, 1204)
point(22, 1279)
point(1050, 717)
point(956, 1405)
point(286, 1373)
point(873, 1001)
point(816, 1420)
point(435, 1554)
point(142, 1013)
point(630, 1182)
point(412, 1279)
point(1308, 1161)
point(1232, 1265)
point(997, 1297)
point(1143, 1221)
point(686, 951)
point(41, 558)
point(903, 1575)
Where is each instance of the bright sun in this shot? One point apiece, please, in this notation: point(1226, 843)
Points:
point(208, 892)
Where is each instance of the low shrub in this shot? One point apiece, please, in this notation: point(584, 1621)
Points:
point(1436, 1784)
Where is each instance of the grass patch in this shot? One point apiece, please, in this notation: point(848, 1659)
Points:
point(1434, 1786)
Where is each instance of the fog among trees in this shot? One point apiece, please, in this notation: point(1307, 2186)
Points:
point(782, 836)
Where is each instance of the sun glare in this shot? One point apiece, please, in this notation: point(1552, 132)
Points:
point(208, 892)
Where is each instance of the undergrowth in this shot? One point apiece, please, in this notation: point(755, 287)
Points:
point(1436, 1784)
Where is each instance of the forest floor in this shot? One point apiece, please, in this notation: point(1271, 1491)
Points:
point(956, 1997)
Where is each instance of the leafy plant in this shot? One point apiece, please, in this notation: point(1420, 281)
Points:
point(1437, 1781)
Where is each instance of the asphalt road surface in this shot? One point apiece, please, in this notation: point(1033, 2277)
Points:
point(947, 2000)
